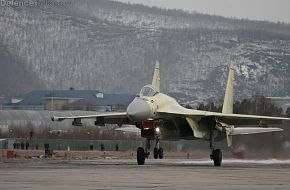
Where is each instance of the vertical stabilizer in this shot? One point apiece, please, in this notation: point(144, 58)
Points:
point(156, 77)
point(229, 101)
point(229, 97)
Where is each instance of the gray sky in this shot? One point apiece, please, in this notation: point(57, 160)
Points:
point(272, 10)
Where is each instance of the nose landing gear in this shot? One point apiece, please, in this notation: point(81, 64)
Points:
point(158, 151)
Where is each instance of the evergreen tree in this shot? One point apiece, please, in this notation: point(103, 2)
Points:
point(288, 112)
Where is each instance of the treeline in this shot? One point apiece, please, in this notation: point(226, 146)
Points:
point(168, 18)
point(258, 105)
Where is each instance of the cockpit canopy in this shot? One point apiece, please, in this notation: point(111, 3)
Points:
point(149, 91)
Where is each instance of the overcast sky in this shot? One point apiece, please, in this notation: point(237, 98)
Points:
point(272, 10)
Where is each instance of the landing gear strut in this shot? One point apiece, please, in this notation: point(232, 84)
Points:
point(216, 154)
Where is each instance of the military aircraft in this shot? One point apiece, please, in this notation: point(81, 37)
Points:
point(160, 117)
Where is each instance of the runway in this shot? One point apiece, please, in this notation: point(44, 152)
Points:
point(156, 174)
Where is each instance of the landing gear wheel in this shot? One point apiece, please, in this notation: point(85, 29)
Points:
point(155, 153)
point(160, 153)
point(217, 157)
point(141, 156)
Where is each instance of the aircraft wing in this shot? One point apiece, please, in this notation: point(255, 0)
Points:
point(243, 119)
point(108, 118)
point(230, 119)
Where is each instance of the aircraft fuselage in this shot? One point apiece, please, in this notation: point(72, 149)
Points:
point(145, 112)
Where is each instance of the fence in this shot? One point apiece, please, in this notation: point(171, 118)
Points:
point(109, 145)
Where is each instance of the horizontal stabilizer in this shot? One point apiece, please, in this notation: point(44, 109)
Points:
point(252, 130)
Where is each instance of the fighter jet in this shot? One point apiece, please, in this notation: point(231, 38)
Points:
point(160, 117)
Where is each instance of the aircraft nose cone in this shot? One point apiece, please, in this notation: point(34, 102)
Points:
point(138, 110)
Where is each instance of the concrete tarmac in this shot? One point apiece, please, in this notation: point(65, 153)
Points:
point(155, 174)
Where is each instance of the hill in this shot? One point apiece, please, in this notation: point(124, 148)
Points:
point(112, 47)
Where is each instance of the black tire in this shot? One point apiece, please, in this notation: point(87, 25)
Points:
point(155, 153)
point(217, 157)
point(141, 156)
point(160, 153)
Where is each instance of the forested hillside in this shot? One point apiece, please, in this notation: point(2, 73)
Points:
point(112, 47)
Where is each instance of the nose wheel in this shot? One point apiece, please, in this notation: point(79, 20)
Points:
point(158, 151)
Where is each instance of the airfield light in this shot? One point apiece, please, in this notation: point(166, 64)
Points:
point(157, 129)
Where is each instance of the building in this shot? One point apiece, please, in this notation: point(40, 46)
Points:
point(92, 100)
point(283, 102)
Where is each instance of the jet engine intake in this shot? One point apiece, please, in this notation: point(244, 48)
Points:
point(77, 122)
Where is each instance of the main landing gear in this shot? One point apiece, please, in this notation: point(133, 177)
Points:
point(143, 154)
point(216, 154)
